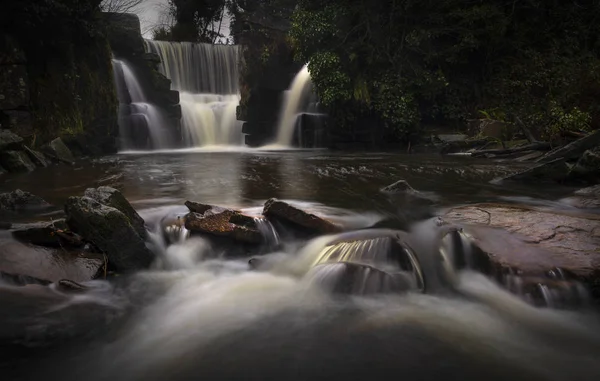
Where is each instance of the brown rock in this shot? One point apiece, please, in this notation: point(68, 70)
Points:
point(279, 209)
point(196, 207)
point(217, 222)
point(541, 240)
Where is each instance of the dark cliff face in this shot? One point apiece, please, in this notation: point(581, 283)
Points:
point(268, 67)
point(56, 75)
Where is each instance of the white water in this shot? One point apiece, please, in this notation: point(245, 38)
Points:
point(131, 94)
point(206, 77)
point(294, 101)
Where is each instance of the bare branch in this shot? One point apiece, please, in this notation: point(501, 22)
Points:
point(120, 6)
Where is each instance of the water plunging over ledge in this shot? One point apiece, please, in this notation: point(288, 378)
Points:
point(206, 77)
point(141, 123)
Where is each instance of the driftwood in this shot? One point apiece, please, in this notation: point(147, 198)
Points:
point(538, 146)
point(573, 150)
point(526, 130)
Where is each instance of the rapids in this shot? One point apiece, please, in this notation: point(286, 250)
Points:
point(325, 308)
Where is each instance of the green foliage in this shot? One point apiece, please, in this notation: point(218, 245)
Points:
point(403, 61)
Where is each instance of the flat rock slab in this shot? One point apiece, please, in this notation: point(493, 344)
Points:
point(540, 240)
point(48, 264)
point(280, 209)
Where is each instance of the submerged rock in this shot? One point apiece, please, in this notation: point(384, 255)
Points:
point(58, 151)
point(282, 210)
point(19, 200)
point(46, 265)
point(16, 161)
point(111, 197)
point(217, 222)
point(111, 231)
point(527, 241)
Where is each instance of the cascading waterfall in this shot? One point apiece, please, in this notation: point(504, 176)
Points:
point(294, 101)
point(206, 77)
point(141, 123)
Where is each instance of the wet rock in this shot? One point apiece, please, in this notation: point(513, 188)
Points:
point(109, 230)
point(16, 161)
point(111, 197)
point(47, 264)
point(586, 198)
point(554, 171)
point(36, 157)
point(10, 141)
point(528, 241)
point(19, 200)
point(53, 234)
point(70, 286)
point(282, 210)
point(58, 151)
point(587, 167)
point(20, 280)
point(196, 207)
point(400, 186)
point(217, 222)
point(452, 137)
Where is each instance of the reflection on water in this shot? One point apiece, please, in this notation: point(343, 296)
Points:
point(249, 177)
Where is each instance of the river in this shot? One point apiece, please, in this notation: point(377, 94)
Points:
point(199, 316)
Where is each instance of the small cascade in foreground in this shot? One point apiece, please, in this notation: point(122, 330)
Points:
point(141, 123)
point(298, 109)
point(206, 77)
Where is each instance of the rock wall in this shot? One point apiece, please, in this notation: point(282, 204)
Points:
point(127, 43)
point(267, 70)
point(56, 79)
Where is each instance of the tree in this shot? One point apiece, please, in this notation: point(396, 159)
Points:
point(120, 6)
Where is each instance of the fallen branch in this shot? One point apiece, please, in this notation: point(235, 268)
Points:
point(526, 130)
point(538, 146)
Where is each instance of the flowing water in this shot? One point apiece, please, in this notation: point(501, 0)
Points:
point(140, 115)
point(294, 101)
point(306, 310)
point(206, 77)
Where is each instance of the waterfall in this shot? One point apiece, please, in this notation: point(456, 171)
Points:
point(141, 123)
point(295, 100)
point(206, 77)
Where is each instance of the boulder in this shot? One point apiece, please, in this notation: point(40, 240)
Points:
point(523, 240)
point(14, 87)
point(586, 198)
point(47, 264)
point(10, 141)
point(587, 167)
point(276, 209)
point(53, 234)
point(20, 200)
point(36, 157)
point(553, 171)
point(111, 197)
point(217, 222)
point(109, 230)
point(16, 161)
point(58, 151)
